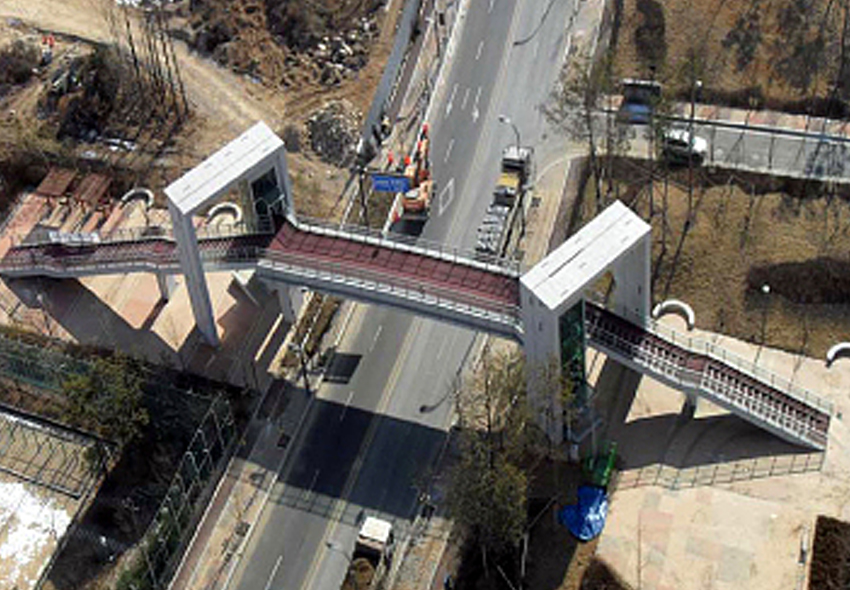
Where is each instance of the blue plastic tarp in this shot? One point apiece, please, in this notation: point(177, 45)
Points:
point(587, 518)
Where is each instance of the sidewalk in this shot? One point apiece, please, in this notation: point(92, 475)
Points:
point(243, 491)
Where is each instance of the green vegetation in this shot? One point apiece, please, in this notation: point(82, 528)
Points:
point(107, 399)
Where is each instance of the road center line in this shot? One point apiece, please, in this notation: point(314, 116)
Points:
point(274, 572)
point(449, 150)
point(465, 98)
point(478, 53)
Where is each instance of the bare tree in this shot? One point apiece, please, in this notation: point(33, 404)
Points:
point(572, 109)
point(488, 491)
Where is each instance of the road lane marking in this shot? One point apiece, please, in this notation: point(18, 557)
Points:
point(347, 404)
point(465, 98)
point(449, 150)
point(375, 339)
point(478, 53)
point(451, 100)
point(313, 483)
point(442, 201)
point(489, 10)
point(274, 571)
point(475, 112)
point(339, 505)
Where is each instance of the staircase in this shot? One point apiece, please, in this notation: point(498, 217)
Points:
point(697, 367)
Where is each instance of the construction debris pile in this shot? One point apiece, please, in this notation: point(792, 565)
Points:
point(333, 132)
point(287, 41)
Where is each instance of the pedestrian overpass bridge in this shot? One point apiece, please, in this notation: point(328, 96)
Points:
point(490, 294)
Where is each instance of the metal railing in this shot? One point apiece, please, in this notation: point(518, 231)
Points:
point(389, 283)
point(357, 233)
point(40, 236)
point(758, 404)
point(701, 347)
point(672, 477)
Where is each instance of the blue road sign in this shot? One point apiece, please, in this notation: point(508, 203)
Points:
point(387, 183)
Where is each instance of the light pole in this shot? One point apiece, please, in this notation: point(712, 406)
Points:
point(297, 349)
point(765, 289)
point(507, 121)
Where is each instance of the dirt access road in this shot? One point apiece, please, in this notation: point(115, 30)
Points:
point(226, 103)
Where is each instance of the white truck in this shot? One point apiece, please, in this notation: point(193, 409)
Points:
point(372, 555)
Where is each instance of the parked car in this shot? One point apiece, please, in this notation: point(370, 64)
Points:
point(680, 145)
point(635, 113)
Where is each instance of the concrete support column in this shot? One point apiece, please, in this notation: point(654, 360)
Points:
point(283, 181)
point(690, 405)
point(166, 283)
point(193, 270)
point(287, 305)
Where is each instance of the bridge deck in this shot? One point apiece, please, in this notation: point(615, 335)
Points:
point(765, 404)
point(426, 268)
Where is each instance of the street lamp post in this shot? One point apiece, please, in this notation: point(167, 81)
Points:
point(507, 121)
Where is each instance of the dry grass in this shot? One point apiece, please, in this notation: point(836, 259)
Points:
point(785, 51)
point(746, 232)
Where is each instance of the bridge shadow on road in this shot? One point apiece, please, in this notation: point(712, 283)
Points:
point(376, 463)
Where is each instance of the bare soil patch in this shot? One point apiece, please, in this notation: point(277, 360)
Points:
point(745, 232)
point(276, 76)
point(780, 54)
point(830, 566)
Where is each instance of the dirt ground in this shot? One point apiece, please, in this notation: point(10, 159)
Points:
point(224, 103)
point(748, 232)
point(830, 555)
point(782, 53)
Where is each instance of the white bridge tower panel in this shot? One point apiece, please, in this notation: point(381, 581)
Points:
point(248, 158)
point(615, 241)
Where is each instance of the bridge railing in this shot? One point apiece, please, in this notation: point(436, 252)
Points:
point(699, 380)
point(151, 256)
point(147, 255)
point(393, 284)
point(699, 346)
point(41, 236)
point(410, 244)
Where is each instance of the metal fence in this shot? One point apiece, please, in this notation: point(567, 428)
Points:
point(46, 454)
point(675, 478)
point(158, 553)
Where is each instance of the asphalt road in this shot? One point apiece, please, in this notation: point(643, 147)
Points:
point(366, 443)
point(759, 150)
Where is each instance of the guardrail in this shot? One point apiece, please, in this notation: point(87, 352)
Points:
point(40, 236)
point(673, 477)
